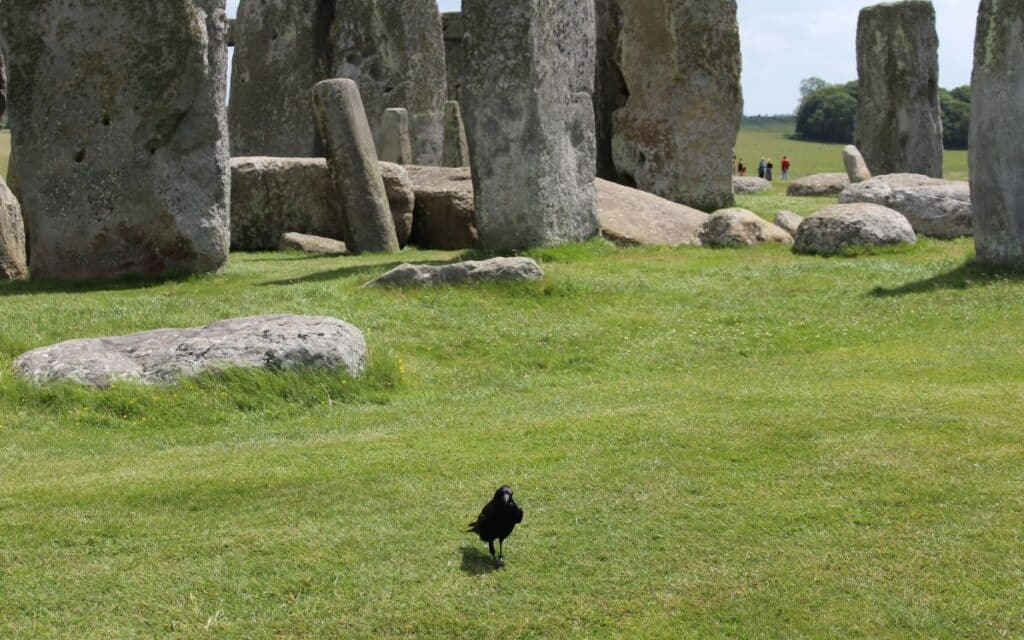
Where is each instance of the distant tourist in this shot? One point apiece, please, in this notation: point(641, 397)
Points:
point(762, 168)
point(741, 168)
point(768, 170)
point(785, 168)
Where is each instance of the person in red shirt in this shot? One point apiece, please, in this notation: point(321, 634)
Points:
point(785, 168)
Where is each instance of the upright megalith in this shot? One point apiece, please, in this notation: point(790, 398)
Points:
point(120, 131)
point(3, 86)
point(899, 121)
point(997, 136)
point(281, 51)
point(456, 145)
point(394, 51)
point(530, 118)
point(451, 25)
point(395, 141)
point(609, 86)
point(680, 64)
point(352, 159)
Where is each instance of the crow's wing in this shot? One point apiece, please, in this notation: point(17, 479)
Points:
point(487, 515)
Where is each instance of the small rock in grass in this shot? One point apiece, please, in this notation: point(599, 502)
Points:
point(313, 244)
point(471, 272)
point(788, 221)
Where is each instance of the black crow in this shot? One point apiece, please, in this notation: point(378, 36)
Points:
point(497, 520)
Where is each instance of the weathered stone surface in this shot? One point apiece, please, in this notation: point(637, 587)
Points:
point(739, 227)
point(352, 159)
point(856, 169)
point(630, 217)
point(680, 62)
point(899, 121)
point(493, 270)
point(164, 356)
point(12, 236)
point(3, 85)
point(997, 137)
point(747, 185)
point(272, 196)
point(788, 221)
point(312, 244)
point(445, 215)
point(821, 184)
point(527, 92)
point(394, 51)
point(120, 132)
point(451, 25)
point(937, 208)
point(840, 226)
point(456, 147)
point(395, 143)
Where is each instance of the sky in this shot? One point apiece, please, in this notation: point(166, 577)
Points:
point(785, 41)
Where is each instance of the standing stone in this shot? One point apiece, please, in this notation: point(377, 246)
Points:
point(609, 87)
point(395, 145)
point(680, 62)
point(856, 169)
point(352, 158)
point(899, 121)
point(12, 236)
point(997, 137)
point(120, 130)
point(3, 86)
point(451, 25)
point(529, 112)
point(456, 146)
point(394, 51)
point(282, 50)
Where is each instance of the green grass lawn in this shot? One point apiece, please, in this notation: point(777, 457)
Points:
point(734, 443)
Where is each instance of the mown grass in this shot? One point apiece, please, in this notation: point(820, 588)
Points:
point(733, 443)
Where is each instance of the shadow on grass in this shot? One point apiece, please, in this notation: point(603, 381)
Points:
point(476, 562)
point(966, 276)
point(127, 283)
point(373, 270)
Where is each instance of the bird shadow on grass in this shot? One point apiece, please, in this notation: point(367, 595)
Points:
point(476, 562)
point(969, 275)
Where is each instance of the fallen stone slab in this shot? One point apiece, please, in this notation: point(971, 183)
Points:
point(739, 227)
point(312, 244)
point(163, 356)
point(445, 213)
point(471, 272)
point(840, 226)
point(630, 217)
point(12, 236)
point(746, 185)
point(788, 221)
point(821, 184)
point(936, 208)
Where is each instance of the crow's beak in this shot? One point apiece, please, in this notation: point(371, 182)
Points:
point(507, 497)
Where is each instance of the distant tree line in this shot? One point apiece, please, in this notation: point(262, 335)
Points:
point(827, 113)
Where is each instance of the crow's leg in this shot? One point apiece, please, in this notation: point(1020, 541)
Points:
point(490, 545)
point(501, 549)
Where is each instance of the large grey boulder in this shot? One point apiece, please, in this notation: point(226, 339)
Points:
point(529, 79)
point(841, 226)
point(739, 227)
point(352, 159)
point(788, 221)
point(451, 25)
point(899, 120)
point(856, 168)
point(445, 213)
point(312, 244)
point(819, 184)
point(936, 208)
point(272, 196)
point(680, 60)
point(997, 137)
point(470, 272)
point(12, 236)
point(630, 217)
point(394, 51)
point(163, 356)
point(747, 185)
point(120, 132)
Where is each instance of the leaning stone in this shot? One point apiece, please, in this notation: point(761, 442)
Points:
point(997, 137)
point(12, 236)
point(395, 145)
point(841, 226)
point(445, 215)
point(680, 60)
point(746, 185)
point(530, 117)
point(164, 356)
point(120, 133)
point(739, 227)
point(821, 184)
point(899, 120)
point(494, 270)
point(312, 244)
point(856, 169)
point(456, 147)
point(352, 159)
point(936, 208)
point(788, 221)
point(630, 217)
point(451, 24)
point(401, 199)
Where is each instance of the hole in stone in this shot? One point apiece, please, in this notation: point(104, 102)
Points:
point(273, 36)
point(80, 156)
point(106, 119)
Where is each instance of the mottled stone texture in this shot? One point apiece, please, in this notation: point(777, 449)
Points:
point(3, 85)
point(451, 24)
point(394, 51)
point(899, 122)
point(680, 62)
point(281, 51)
point(456, 146)
point(997, 133)
point(529, 79)
point(12, 236)
point(395, 141)
point(120, 131)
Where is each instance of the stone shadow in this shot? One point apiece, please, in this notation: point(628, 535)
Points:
point(374, 270)
point(476, 562)
point(969, 275)
point(127, 283)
